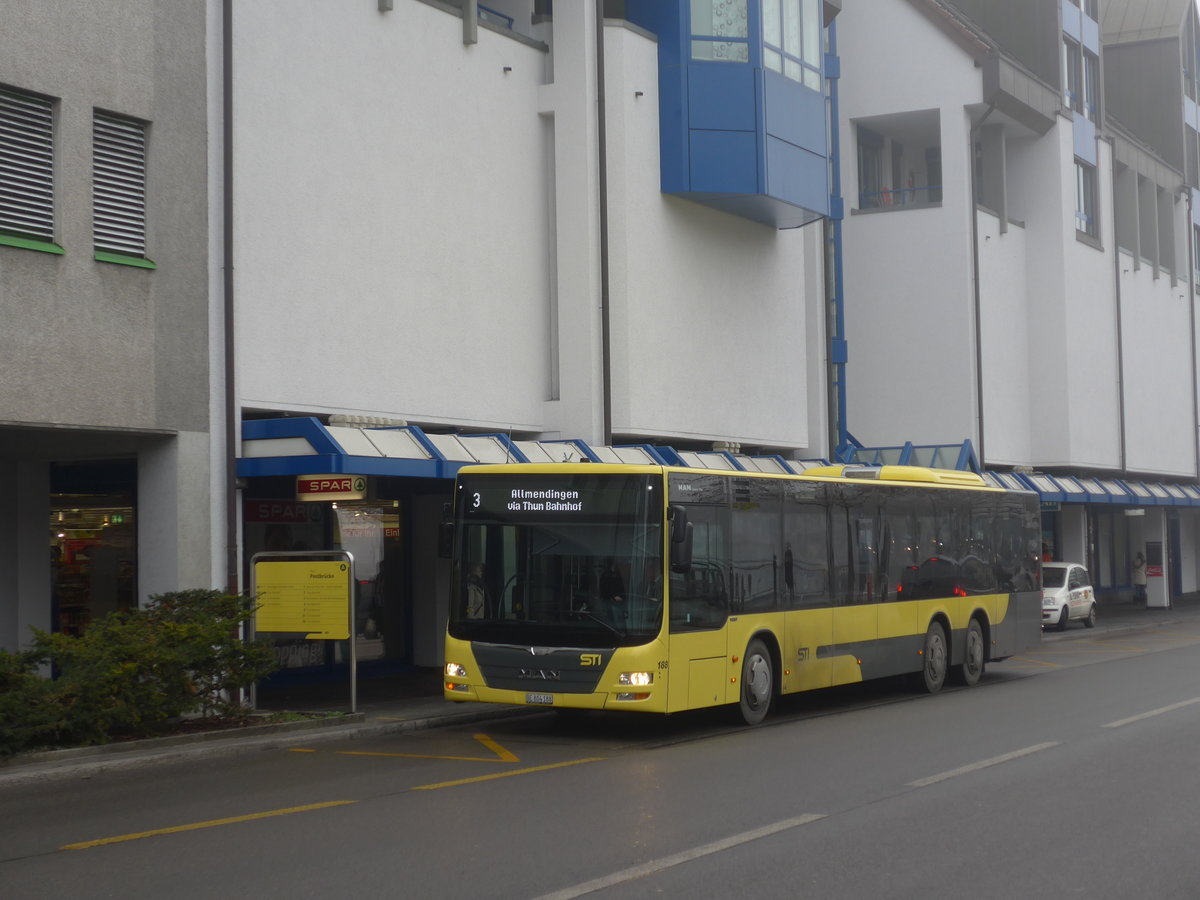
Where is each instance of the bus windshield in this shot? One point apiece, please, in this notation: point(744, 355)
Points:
point(558, 560)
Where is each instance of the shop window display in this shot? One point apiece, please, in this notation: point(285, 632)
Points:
point(92, 558)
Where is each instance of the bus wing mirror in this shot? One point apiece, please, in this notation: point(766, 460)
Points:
point(681, 540)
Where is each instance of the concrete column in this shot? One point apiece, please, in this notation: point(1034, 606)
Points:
point(175, 547)
point(570, 102)
point(430, 584)
point(25, 573)
point(1155, 532)
point(1073, 522)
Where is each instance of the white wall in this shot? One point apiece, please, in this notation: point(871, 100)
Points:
point(709, 309)
point(391, 215)
point(1007, 367)
point(1091, 310)
point(909, 306)
point(1155, 332)
point(418, 234)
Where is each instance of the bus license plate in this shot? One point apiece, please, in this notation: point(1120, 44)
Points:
point(540, 699)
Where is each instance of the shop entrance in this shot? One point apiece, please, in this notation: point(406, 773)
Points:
point(375, 533)
point(93, 541)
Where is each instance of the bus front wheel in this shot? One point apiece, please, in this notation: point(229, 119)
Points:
point(758, 683)
point(934, 659)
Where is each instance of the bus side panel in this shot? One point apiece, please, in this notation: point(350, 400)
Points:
point(697, 656)
point(806, 631)
point(1021, 627)
point(854, 628)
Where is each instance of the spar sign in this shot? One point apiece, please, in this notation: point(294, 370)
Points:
point(331, 487)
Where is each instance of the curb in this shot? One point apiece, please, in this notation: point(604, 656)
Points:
point(86, 762)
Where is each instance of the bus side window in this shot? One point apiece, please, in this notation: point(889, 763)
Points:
point(758, 567)
point(700, 598)
point(806, 581)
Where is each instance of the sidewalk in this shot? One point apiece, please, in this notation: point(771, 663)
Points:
point(413, 702)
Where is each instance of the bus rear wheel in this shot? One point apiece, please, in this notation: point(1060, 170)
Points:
point(934, 660)
point(758, 683)
point(974, 657)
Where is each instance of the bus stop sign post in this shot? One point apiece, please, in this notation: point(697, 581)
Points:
point(310, 592)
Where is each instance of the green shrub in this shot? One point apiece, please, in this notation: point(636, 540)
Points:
point(29, 712)
point(135, 669)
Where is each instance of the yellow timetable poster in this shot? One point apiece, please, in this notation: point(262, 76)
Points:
point(309, 596)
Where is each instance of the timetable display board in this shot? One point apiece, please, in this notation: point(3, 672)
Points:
point(304, 595)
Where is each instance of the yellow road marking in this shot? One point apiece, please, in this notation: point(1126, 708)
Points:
point(496, 748)
point(195, 826)
point(1036, 662)
point(443, 784)
point(502, 755)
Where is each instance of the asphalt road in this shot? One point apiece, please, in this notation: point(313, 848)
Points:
point(1068, 772)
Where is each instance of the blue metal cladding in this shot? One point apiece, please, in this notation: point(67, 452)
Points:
point(734, 135)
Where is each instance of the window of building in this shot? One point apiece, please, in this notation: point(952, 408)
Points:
point(1196, 261)
point(93, 541)
point(1085, 199)
point(119, 189)
point(1072, 73)
point(792, 40)
point(899, 161)
point(1091, 85)
point(720, 30)
point(26, 170)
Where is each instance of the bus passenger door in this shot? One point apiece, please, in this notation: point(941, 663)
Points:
point(858, 581)
point(807, 589)
point(698, 606)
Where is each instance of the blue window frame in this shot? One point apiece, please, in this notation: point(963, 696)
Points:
point(720, 30)
point(792, 38)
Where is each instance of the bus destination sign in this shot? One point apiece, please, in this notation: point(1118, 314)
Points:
point(524, 498)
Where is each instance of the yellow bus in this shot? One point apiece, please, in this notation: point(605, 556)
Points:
point(663, 589)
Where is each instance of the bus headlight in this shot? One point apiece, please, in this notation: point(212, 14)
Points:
point(638, 679)
point(454, 670)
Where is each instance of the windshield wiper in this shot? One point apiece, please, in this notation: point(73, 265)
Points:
point(586, 613)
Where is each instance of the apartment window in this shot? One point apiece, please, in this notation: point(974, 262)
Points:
point(1091, 85)
point(870, 169)
point(1072, 96)
point(792, 40)
point(118, 188)
point(26, 170)
point(1085, 199)
point(720, 30)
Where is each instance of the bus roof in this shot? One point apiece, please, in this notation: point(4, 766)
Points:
point(839, 473)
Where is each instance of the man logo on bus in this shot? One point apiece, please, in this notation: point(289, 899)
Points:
point(589, 659)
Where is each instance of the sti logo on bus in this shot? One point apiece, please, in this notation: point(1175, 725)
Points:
point(589, 659)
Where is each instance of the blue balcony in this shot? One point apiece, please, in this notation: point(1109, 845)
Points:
point(742, 105)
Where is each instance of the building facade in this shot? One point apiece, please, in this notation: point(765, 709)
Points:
point(1021, 229)
point(107, 435)
point(484, 231)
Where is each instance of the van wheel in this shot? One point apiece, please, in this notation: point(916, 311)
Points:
point(1090, 621)
point(758, 683)
point(933, 655)
point(974, 656)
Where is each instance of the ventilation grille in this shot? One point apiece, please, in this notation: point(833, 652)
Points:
point(26, 166)
point(119, 185)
